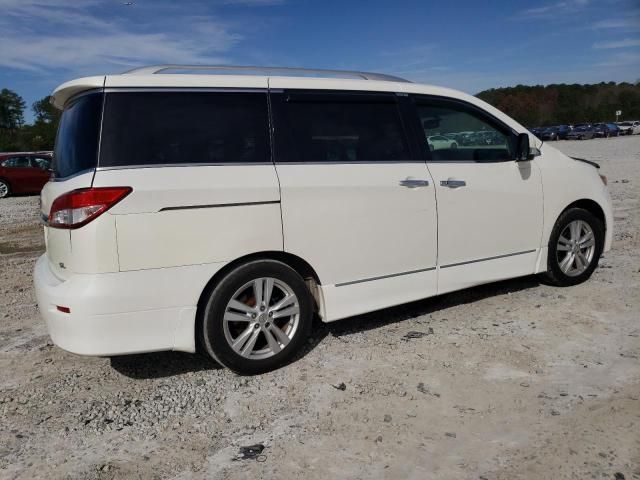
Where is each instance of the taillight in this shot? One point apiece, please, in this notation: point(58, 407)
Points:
point(78, 207)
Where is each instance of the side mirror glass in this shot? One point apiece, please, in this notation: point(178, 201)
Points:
point(522, 149)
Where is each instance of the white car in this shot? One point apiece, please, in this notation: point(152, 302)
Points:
point(629, 127)
point(219, 212)
point(438, 142)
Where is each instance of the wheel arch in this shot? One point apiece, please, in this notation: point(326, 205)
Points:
point(301, 266)
point(590, 206)
point(6, 180)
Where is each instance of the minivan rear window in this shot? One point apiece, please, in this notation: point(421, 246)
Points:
point(173, 128)
point(76, 148)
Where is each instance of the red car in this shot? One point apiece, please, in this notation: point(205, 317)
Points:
point(24, 172)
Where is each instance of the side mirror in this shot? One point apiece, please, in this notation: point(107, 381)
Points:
point(522, 149)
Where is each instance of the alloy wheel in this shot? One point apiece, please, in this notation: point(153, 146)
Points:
point(576, 247)
point(261, 318)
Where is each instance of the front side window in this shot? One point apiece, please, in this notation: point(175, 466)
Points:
point(172, 128)
point(456, 132)
point(335, 127)
point(17, 162)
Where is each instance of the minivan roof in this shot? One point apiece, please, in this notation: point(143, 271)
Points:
point(207, 77)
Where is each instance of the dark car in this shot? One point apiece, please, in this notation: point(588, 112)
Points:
point(606, 130)
point(581, 133)
point(563, 131)
point(549, 133)
point(537, 131)
point(23, 172)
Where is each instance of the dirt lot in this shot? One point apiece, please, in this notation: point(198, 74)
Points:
point(512, 380)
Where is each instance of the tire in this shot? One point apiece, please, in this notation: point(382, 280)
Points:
point(563, 271)
point(454, 146)
point(263, 341)
point(4, 189)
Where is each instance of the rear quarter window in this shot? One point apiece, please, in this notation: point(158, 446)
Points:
point(173, 128)
point(76, 147)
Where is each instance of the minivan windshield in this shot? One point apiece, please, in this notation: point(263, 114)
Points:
point(76, 147)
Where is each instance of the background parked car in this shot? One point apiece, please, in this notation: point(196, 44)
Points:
point(606, 130)
point(629, 127)
point(537, 131)
point(440, 142)
point(23, 172)
point(563, 131)
point(549, 133)
point(581, 133)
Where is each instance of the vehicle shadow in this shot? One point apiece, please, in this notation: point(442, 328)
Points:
point(168, 364)
point(161, 364)
point(401, 313)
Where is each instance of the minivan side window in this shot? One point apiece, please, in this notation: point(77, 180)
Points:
point(458, 132)
point(338, 127)
point(173, 128)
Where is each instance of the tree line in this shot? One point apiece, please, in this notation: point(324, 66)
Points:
point(540, 106)
point(530, 105)
point(15, 134)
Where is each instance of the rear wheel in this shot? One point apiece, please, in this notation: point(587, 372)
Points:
point(575, 246)
point(4, 189)
point(257, 317)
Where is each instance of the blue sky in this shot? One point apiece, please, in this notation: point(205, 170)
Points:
point(468, 44)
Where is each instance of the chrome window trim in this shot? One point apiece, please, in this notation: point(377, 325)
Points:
point(487, 258)
point(182, 165)
point(352, 162)
point(218, 205)
point(382, 277)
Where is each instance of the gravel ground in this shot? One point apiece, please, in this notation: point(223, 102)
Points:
point(510, 380)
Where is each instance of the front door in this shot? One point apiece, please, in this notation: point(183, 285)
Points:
point(489, 206)
point(357, 203)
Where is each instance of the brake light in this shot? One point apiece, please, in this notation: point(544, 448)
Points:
point(79, 207)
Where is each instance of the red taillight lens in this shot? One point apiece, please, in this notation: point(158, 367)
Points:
point(79, 207)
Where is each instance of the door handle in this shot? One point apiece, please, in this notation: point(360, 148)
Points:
point(452, 183)
point(414, 183)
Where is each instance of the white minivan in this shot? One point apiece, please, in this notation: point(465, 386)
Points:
point(218, 209)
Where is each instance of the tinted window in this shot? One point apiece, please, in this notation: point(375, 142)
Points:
point(17, 162)
point(157, 128)
point(41, 162)
point(468, 135)
point(332, 127)
point(77, 140)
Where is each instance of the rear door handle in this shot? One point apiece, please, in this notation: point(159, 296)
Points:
point(414, 183)
point(452, 183)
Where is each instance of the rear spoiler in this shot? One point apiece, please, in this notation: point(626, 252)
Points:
point(593, 164)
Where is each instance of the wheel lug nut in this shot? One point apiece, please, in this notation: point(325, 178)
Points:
point(271, 314)
point(256, 326)
point(253, 315)
point(262, 308)
point(267, 325)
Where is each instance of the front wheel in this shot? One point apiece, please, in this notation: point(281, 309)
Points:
point(4, 189)
point(575, 246)
point(257, 317)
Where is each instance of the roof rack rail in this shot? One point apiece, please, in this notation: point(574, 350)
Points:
point(249, 70)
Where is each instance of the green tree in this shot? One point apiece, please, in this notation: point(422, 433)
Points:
point(11, 119)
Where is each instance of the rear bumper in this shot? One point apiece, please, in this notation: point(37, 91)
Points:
point(124, 312)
